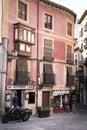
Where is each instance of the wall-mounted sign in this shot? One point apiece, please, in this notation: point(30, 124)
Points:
point(14, 87)
point(8, 97)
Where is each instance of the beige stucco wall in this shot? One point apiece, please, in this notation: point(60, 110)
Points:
point(5, 19)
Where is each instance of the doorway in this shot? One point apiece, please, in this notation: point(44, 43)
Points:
point(19, 97)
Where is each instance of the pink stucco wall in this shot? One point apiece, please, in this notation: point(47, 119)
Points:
point(58, 34)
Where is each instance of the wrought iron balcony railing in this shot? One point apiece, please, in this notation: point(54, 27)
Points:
point(70, 80)
point(22, 77)
point(81, 63)
point(79, 73)
point(85, 62)
point(83, 79)
point(49, 79)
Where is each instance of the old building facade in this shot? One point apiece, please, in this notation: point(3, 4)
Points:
point(42, 32)
point(81, 61)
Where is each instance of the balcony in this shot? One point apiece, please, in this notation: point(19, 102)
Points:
point(70, 80)
point(75, 62)
point(85, 40)
point(48, 79)
point(85, 46)
point(81, 64)
point(79, 73)
point(76, 47)
point(81, 49)
point(85, 62)
point(70, 58)
point(83, 79)
point(24, 33)
point(22, 77)
point(24, 39)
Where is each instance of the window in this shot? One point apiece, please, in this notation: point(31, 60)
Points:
point(23, 33)
point(25, 47)
point(48, 51)
point(48, 74)
point(69, 29)
point(70, 55)
point(22, 10)
point(31, 97)
point(75, 59)
point(69, 77)
point(48, 21)
point(22, 73)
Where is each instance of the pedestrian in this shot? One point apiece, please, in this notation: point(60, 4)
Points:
point(15, 99)
point(73, 103)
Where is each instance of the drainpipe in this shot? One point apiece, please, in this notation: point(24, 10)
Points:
point(37, 54)
point(3, 72)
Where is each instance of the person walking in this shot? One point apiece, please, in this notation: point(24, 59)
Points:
point(15, 100)
point(73, 103)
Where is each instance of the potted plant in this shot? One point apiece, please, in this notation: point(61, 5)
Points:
point(43, 112)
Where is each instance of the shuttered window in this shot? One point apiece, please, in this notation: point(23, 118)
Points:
point(48, 75)
point(21, 72)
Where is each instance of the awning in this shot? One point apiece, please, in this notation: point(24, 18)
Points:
point(62, 92)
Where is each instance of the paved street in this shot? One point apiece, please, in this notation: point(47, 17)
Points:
point(61, 121)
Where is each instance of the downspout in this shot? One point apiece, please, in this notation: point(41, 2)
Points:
point(1, 56)
point(37, 54)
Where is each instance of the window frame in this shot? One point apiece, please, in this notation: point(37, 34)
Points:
point(69, 29)
point(22, 10)
point(48, 16)
point(31, 102)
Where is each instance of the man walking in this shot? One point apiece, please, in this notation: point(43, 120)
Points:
point(15, 99)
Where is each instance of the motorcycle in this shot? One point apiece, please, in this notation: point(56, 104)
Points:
point(16, 113)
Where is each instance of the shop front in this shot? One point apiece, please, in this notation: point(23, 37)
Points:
point(26, 96)
point(60, 100)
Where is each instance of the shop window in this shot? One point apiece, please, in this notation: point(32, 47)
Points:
point(69, 29)
point(31, 97)
point(48, 21)
point(22, 10)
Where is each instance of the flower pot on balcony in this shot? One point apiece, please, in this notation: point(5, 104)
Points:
point(43, 112)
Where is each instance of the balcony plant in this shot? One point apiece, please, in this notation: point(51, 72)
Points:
point(43, 112)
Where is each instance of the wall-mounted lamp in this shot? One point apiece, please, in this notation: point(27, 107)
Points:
point(13, 54)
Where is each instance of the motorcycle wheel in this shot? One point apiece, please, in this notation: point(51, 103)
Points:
point(26, 116)
point(4, 119)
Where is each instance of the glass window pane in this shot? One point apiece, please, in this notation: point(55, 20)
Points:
point(22, 47)
point(21, 34)
point(16, 33)
point(32, 38)
point(29, 36)
point(28, 49)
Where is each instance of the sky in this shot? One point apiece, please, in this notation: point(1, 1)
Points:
point(78, 6)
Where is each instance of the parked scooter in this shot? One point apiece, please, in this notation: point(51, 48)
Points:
point(16, 113)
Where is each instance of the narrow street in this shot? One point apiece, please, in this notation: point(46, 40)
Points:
point(61, 121)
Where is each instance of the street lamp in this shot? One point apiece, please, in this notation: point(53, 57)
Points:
point(13, 54)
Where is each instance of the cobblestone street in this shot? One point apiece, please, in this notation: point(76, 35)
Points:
point(61, 121)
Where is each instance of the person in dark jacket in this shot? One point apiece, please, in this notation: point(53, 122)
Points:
point(15, 100)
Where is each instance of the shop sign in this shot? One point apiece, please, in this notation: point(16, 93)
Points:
point(55, 93)
point(13, 87)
